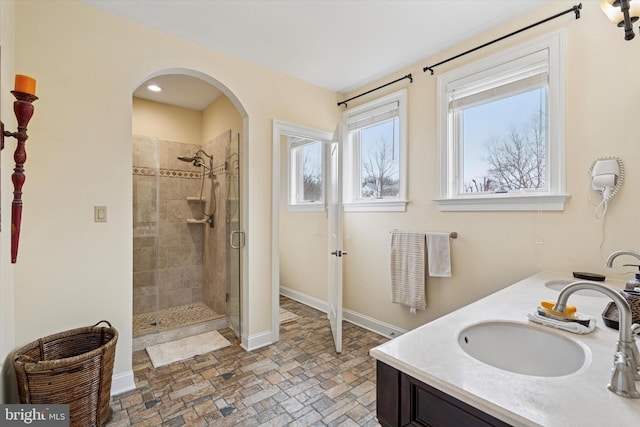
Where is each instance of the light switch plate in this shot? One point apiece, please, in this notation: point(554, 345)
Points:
point(99, 214)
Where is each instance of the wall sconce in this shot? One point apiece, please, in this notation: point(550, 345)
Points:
point(623, 13)
point(25, 93)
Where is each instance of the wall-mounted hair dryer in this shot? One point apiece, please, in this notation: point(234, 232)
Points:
point(607, 175)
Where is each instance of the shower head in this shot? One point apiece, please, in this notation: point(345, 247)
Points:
point(187, 159)
point(197, 160)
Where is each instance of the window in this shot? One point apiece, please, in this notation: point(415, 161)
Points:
point(375, 150)
point(501, 130)
point(306, 174)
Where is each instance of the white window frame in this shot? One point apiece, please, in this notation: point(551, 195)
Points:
point(294, 162)
point(450, 199)
point(351, 195)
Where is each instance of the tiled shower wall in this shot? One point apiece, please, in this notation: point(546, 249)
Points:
point(215, 239)
point(168, 252)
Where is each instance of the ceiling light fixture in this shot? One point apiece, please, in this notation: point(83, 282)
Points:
point(623, 13)
point(154, 88)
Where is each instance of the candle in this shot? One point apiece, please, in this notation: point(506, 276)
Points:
point(25, 84)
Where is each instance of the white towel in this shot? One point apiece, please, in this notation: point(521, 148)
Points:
point(407, 262)
point(574, 327)
point(439, 254)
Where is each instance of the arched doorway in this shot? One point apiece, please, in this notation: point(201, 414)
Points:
point(189, 142)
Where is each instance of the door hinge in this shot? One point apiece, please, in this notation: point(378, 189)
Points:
point(339, 253)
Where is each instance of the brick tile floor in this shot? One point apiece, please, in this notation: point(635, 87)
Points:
point(299, 381)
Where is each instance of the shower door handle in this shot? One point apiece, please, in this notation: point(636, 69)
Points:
point(240, 240)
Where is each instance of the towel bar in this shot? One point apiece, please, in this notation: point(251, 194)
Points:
point(452, 235)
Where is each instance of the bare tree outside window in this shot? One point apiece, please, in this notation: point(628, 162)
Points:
point(312, 173)
point(480, 186)
point(515, 156)
point(380, 177)
point(518, 161)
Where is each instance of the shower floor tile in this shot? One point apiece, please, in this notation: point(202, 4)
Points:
point(172, 318)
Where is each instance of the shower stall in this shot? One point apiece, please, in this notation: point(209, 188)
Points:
point(186, 238)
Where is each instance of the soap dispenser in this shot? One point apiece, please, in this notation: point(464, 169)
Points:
point(631, 293)
point(635, 282)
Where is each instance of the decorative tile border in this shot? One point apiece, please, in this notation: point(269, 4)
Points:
point(171, 173)
point(138, 170)
point(175, 173)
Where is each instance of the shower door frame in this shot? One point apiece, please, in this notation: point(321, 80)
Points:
point(234, 287)
point(154, 228)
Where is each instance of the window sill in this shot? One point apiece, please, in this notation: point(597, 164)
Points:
point(315, 207)
point(504, 202)
point(376, 206)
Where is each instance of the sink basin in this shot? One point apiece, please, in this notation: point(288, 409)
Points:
point(557, 285)
point(522, 348)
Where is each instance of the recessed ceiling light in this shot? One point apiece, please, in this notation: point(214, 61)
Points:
point(154, 88)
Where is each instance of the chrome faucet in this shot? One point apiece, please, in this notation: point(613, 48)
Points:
point(616, 254)
point(626, 360)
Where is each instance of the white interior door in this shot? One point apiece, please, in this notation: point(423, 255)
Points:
point(336, 254)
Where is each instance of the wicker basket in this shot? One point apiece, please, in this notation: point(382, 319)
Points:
point(72, 367)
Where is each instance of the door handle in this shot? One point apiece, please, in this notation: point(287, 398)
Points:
point(339, 253)
point(240, 241)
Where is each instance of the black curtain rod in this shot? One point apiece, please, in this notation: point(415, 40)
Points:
point(408, 76)
point(575, 9)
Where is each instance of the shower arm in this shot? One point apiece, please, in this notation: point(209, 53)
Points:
point(210, 157)
point(196, 159)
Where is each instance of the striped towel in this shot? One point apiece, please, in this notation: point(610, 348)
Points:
point(407, 262)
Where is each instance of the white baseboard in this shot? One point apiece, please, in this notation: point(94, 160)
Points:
point(121, 383)
point(257, 341)
point(371, 324)
point(304, 299)
point(366, 322)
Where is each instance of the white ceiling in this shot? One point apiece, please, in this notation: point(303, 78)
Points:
point(335, 44)
point(180, 90)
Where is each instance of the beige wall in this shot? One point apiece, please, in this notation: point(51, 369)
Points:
point(178, 124)
point(219, 117)
point(71, 271)
point(495, 249)
point(166, 122)
point(7, 315)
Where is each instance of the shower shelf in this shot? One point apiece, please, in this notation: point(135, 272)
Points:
point(196, 221)
point(195, 199)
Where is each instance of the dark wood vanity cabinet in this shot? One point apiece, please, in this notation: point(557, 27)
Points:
point(404, 401)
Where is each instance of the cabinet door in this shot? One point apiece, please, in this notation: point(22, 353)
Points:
point(387, 395)
point(423, 405)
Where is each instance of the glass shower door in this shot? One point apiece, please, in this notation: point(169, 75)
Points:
point(145, 235)
point(235, 236)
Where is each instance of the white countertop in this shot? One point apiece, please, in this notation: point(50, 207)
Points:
point(432, 355)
